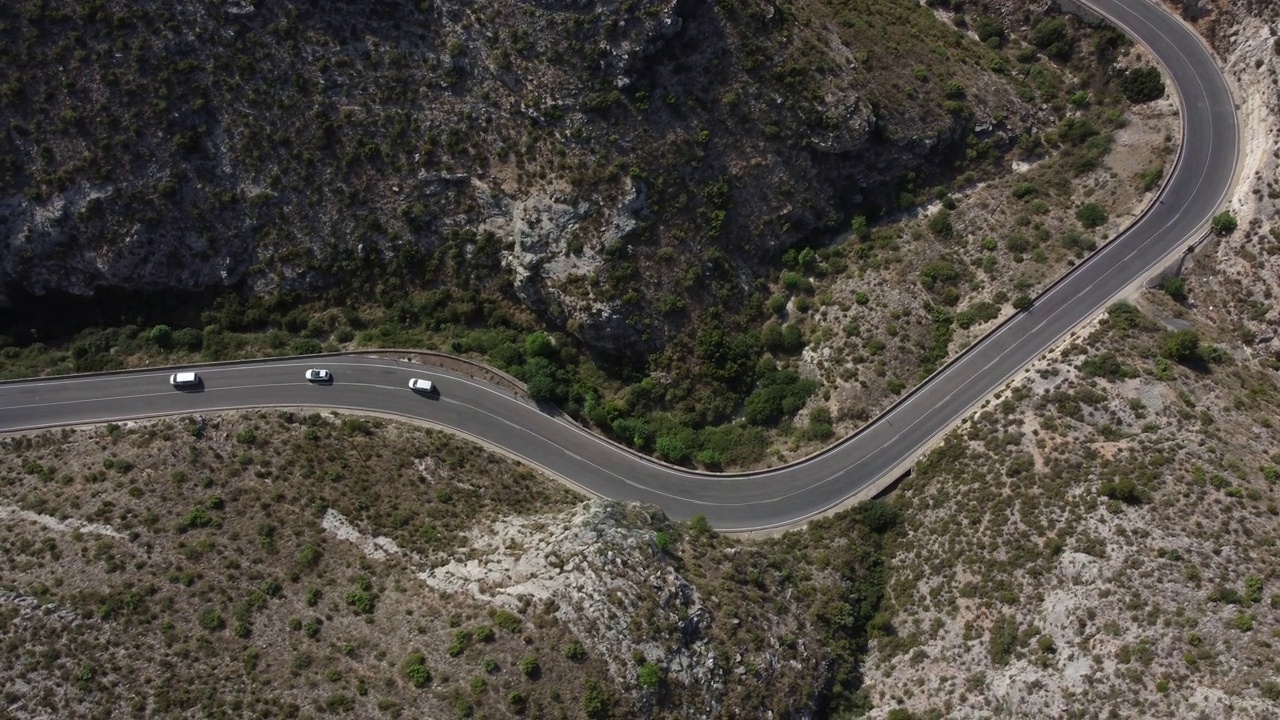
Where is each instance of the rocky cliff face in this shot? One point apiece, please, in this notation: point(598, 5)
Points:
point(588, 158)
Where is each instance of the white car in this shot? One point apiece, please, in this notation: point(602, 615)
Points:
point(420, 385)
point(184, 379)
point(318, 375)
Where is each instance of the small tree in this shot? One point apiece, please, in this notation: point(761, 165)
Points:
point(1224, 223)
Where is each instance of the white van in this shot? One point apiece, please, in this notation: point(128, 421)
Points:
point(420, 385)
point(184, 379)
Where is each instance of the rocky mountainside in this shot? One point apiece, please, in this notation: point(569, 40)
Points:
point(1103, 534)
point(1100, 535)
point(239, 566)
point(591, 160)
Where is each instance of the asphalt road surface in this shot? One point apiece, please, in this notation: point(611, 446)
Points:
point(747, 501)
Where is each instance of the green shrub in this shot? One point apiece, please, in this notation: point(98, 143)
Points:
point(633, 430)
point(1224, 223)
point(779, 393)
point(1142, 85)
point(1225, 595)
point(1125, 490)
point(1076, 242)
point(161, 336)
point(339, 702)
point(529, 666)
point(461, 640)
point(362, 600)
point(796, 282)
point(309, 557)
point(1053, 37)
point(595, 701)
point(545, 380)
point(1017, 243)
point(415, 670)
point(507, 621)
point(1181, 345)
point(940, 224)
point(861, 228)
point(710, 459)
point(1003, 640)
point(1149, 179)
point(1104, 365)
point(1176, 288)
point(700, 526)
point(675, 448)
point(197, 518)
point(1253, 589)
point(649, 676)
point(1091, 215)
point(1024, 190)
point(939, 272)
point(211, 620)
point(977, 314)
point(305, 346)
point(575, 652)
point(783, 339)
point(989, 28)
point(539, 344)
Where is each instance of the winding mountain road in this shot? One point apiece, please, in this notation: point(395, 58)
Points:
point(748, 501)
